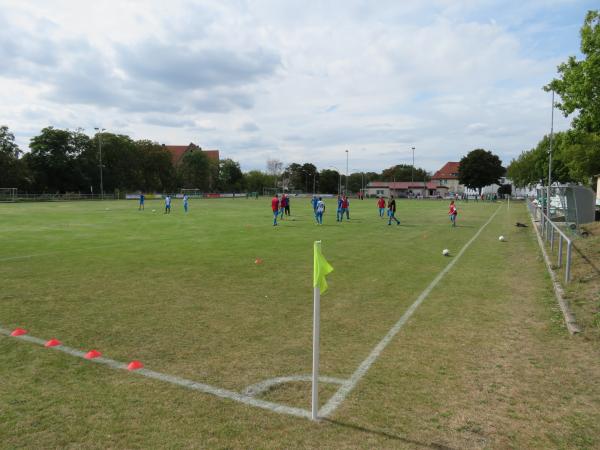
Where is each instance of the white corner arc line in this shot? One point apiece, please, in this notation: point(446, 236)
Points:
point(336, 400)
point(201, 387)
point(259, 388)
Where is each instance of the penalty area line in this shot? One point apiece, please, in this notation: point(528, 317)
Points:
point(201, 387)
point(338, 398)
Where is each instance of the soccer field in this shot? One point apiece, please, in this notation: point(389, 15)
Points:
point(184, 294)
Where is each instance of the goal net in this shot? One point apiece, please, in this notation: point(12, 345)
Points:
point(8, 194)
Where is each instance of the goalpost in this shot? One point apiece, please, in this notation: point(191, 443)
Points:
point(8, 194)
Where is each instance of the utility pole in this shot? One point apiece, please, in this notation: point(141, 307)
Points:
point(347, 172)
point(412, 169)
point(100, 130)
point(550, 160)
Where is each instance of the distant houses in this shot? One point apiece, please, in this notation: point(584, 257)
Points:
point(448, 176)
point(179, 151)
point(405, 189)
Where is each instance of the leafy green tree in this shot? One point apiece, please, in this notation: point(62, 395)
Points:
point(328, 181)
point(53, 160)
point(195, 171)
point(480, 168)
point(582, 156)
point(13, 171)
point(158, 173)
point(579, 82)
point(310, 177)
point(404, 172)
point(531, 166)
point(230, 176)
point(256, 181)
point(294, 176)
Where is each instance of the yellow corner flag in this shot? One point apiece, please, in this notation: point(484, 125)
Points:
point(321, 269)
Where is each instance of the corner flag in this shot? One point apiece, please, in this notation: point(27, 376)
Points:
point(321, 268)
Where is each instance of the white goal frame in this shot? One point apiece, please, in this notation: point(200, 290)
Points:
point(8, 194)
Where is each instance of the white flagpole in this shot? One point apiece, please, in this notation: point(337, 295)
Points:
point(316, 332)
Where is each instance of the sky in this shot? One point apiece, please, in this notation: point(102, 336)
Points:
point(298, 81)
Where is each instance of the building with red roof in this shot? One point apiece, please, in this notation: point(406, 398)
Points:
point(448, 176)
point(179, 151)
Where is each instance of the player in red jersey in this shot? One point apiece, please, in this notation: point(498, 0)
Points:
point(453, 213)
point(275, 208)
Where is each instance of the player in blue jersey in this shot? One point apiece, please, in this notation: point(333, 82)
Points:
point(141, 207)
point(185, 203)
point(168, 204)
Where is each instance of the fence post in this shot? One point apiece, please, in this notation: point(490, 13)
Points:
point(552, 238)
point(560, 245)
point(568, 267)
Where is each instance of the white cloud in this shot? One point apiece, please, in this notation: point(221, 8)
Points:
point(302, 81)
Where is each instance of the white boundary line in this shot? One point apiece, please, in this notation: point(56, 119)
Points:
point(247, 397)
point(336, 400)
point(205, 388)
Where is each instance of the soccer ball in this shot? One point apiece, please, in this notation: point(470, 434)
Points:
point(153, 210)
point(501, 238)
point(445, 252)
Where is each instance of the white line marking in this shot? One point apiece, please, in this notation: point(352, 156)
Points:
point(205, 388)
point(259, 388)
point(336, 400)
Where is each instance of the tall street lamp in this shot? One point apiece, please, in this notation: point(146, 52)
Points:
point(362, 180)
point(100, 130)
point(339, 179)
point(347, 172)
point(412, 169)
point(550, 160)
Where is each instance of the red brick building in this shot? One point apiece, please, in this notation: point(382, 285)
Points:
point(179, 151)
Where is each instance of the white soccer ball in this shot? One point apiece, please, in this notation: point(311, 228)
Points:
point(153, 210)
point(501, 238)
point(445, 252)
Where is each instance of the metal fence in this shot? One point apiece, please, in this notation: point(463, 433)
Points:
point(556, 238)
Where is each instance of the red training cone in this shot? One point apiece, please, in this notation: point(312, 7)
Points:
point(258, 261)
point(135, 365)
point(92, 354)
point(52, 343)
point(18, 332)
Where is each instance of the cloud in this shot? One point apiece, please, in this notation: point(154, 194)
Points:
point(319, 77)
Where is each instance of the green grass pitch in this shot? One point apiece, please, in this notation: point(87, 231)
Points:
point(183, 293)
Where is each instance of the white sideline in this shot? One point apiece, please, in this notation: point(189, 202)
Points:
point(336, 400)
point(205, 388)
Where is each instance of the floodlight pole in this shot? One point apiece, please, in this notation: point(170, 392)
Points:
point(412, 169)
point(100, 130)
point(347, 153)
point(339, 180)
point(550, 161)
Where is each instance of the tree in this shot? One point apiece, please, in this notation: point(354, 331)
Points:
point(404, 172)
point(13, 171)
point(531, 167)
point(53, 159)
point(582, 156)
point(329, 181)
point(293, 177)
point(195, 171)
point(230, 176)
point(578, 85)
point(158, 173)
point(256, 181)
point(310, 176)
point(480, 168)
